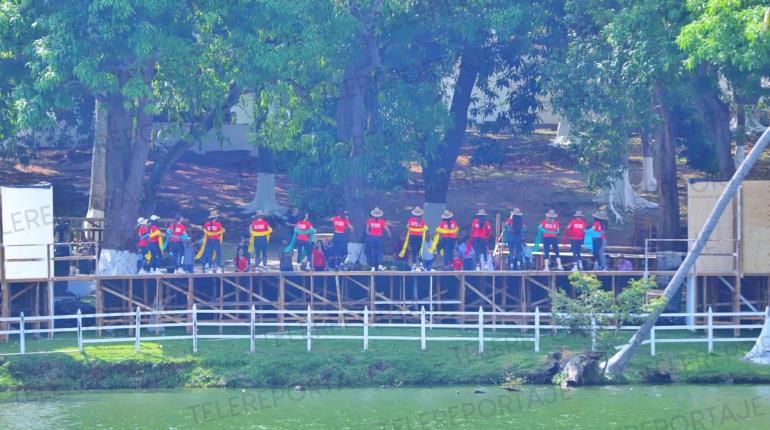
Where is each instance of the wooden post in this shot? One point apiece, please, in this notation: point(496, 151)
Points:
point(190, 301)
point(537, 329)
point(481, 330)
point(195, 327)
point(137, 329)
point(22, 337)
point(372, 292)
point(309, 334)
point(461, 294)
point(737, 305)
point(221, 301)
point(80, 331)
point(710, 328)
point(252, 329)
point(652, 342)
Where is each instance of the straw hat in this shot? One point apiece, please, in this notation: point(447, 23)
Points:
point(516, 212)
point(418, 211)
point(447, 214)
point(376, 212)
point(578, 214)
point(213, 213)
point(551, 214)
point(154, 217)
point(141, 221)
point(601, 215)
point(481, 212)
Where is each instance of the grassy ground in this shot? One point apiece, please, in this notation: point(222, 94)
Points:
point(229, 363)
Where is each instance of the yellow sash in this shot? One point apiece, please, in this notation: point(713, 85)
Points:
point(157, 233)
point(440, 231)
point(258, 234)
point(423, 230)
point(206, 235)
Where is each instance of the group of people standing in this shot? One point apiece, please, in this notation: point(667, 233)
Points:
point(470, 251)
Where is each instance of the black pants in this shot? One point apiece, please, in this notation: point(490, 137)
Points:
point(415, 246)
point(212, 253)
point(155, 255)
point(598, 248)
point(515, 252)
point(177, 253)
point(260, 250)
point(576, 246)
point(339, 249)
point(448, 245)
point(550, 243)
point(376, 250)
point(481, 247)
point(141, 262)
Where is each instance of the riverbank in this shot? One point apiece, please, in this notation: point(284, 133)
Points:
point(339, 363)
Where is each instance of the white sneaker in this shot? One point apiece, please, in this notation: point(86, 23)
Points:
point(560, 268)
point(546, 269)
point(381, 267)
point(575, 268)
point(141, 272)
point(372, 269)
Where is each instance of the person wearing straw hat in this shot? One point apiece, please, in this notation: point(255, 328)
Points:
point(417, 229)
point(576, 234)
point(514, 237)
point(549, 231)
point(259, 232)
point(341, 224)
point(143, 234)
point(375, 227)
point(481, 231)
point(446, 236)
point(155, 245)
point(210, 253)
point(599, 227)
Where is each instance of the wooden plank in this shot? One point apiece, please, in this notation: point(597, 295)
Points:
point(701, 199)
point(755, 223)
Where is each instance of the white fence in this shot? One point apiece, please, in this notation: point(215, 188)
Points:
point(486, 326)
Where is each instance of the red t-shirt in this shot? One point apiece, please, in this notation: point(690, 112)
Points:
point(415, 224)
point(576, 229)
point(340, 224)
point(141, 231)
point(213, 227)
point(479, 229)
point(177, 230)
point(303, 230)
point(260, 225)
point(319, 259)
point(448, 225)
point(551, 228)
point(153, 229)
point(376, 225)
point(240, 264)
point(599, 229)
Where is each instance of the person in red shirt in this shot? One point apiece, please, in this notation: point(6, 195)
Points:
point(575, 233)
point(481, 231)
point(600, 226)
point(446, 236)
point(142, 233)
point(154, 245)
point(213, 231)
point(416, 230)
point(303, 241)
point(375, 245)
point(259, 230)
point(319, 257)
point(550, 229)
point(241, 261)
point(339, 249)
point(177, 232)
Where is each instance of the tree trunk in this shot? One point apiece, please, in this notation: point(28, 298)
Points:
point(715, 115)
point(353, 117)
point(97, 189)
point(438, 166)
point(265, 198)
point(740, 133)
point(617, 364)
point(648, 183)
point(670, 227)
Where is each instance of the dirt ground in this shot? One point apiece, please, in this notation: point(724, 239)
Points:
point(534, 177)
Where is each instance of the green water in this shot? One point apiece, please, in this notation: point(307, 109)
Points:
point(625, 407)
